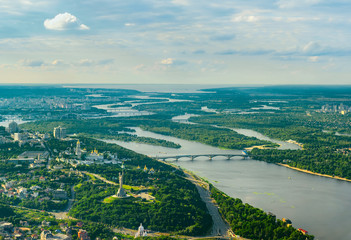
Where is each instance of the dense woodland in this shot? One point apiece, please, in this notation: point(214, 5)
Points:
point(13, 149)
point(250, 222)
point(218, 137)
point(100, 129)
point(177, 207)
point(323, 152)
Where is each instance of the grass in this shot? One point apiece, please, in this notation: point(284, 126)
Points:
point(91, 176)
point(109, 199)
point(128, 187)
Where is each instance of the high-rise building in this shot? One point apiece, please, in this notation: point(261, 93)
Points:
point(17, 137)
point(59, 132)
point(78, 150)
point(13, 127)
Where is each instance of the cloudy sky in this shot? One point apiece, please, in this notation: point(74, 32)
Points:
point(175, 41)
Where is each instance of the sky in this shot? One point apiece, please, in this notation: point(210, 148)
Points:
point(175, 41)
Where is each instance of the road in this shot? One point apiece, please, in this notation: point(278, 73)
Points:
point(101, 178)
point(64, 214)
point(220, 227)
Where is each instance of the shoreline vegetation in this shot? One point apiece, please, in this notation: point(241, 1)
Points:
point(251, 222)
point(259, 147)
point(241, 218)
point(108, 129)
point(135, 139)
point(321, 152)
point(314, 173)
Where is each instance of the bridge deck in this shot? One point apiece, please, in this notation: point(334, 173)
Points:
point(193, 156)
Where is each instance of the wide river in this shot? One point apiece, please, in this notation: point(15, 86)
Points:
point(317, 204)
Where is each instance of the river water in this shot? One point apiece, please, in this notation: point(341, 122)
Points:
point(8, 119)
point(318, 204)
point(123, 111)
point(247, 132)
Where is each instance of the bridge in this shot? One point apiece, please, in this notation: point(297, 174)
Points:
point(194, 156)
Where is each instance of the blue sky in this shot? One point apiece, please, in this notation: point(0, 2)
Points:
point(175, 41)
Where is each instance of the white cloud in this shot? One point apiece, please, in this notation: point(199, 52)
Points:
point(86, 62)
point(167, 61)
point(181, 2)
point(31, 63)
point(296, 3)
point(19, 7)
point(249, 16)
point(311, 47)
point(313, 59)
point(246, 18)
point(57, 62)
point(83, 27)
point(93, 63)
point(129, 24)
point(64, 21)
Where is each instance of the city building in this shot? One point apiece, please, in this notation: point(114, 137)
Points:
point(13, 127)
point(47, 235)
point(83, 235)
point(78, 150)
point(60, 132)
point(17, 137)
point(59, 194)
point(95, 156)
point(302, 230)
point(141, 232)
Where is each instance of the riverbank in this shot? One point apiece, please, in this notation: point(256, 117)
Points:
point(220, 227)
point(259, 147)
point(313, 173)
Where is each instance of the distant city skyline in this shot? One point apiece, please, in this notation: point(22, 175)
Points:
point(175, 41)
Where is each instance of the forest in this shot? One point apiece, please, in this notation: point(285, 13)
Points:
point(323, 151)
point(218, 137)
point(100, 129)
point(177, 206)
point(253, 223)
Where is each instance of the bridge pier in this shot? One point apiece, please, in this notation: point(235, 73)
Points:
point(210, 156)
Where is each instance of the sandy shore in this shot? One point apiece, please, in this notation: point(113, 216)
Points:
point(259, 147)
point(313, 173)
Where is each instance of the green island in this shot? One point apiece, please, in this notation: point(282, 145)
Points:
point(322, 152)
point(217, 137)
point(111, 129)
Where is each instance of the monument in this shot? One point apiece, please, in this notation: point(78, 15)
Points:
point(121, 192)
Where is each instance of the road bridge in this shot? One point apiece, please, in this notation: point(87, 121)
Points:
point(192, 157)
